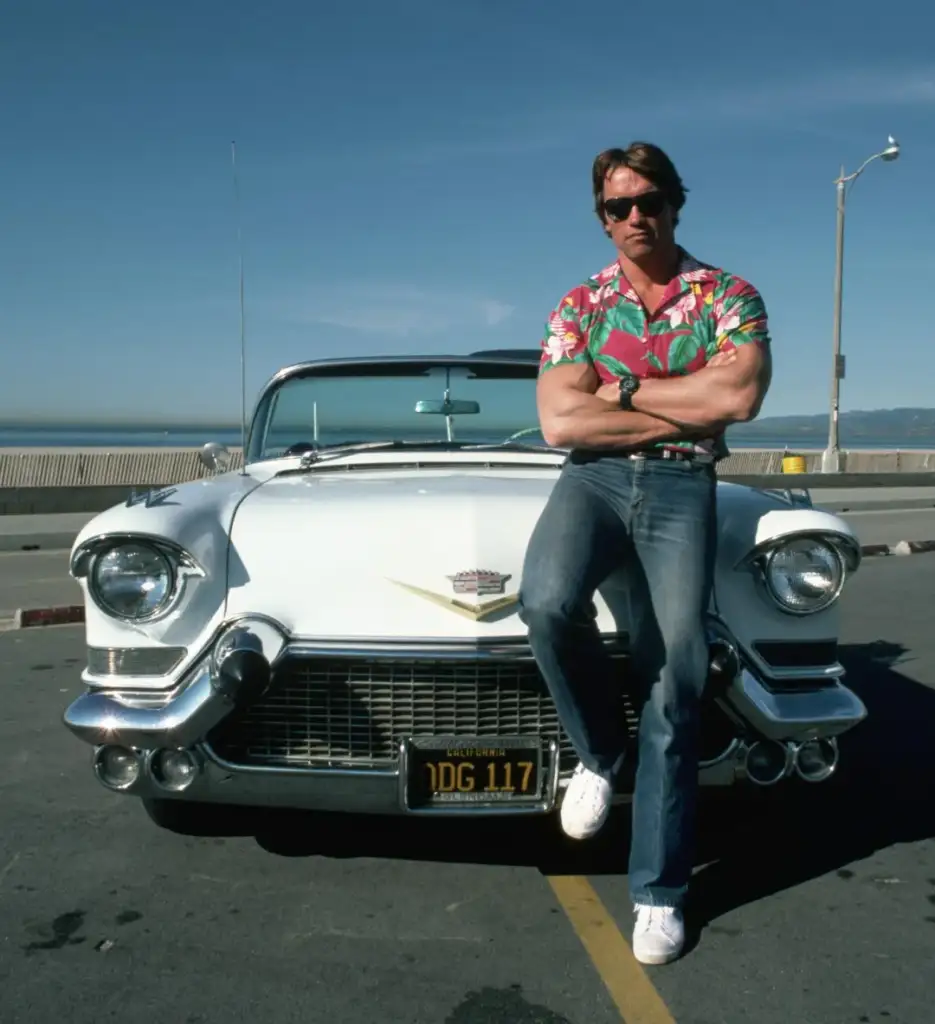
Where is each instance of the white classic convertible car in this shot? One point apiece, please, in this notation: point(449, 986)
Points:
point(332, 626)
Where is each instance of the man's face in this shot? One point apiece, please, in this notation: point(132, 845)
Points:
point(638, 234)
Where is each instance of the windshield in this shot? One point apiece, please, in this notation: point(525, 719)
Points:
point(436, 405)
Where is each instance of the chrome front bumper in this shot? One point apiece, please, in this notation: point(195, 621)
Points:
point(356, 791)
point(219, 685)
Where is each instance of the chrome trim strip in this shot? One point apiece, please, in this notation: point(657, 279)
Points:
point(833, 671)
point(334, 769)
point(750, 658)
point(795, 716)
point(428, 652)
point(766, 670)
point(119, 662)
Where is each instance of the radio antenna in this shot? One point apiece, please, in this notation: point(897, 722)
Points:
point(243, 347)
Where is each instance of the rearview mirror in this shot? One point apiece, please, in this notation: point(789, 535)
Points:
point(447, 407)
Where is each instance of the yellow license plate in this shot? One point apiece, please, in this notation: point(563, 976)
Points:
point(481, 771)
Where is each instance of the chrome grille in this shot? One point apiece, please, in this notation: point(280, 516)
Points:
point(354, 712)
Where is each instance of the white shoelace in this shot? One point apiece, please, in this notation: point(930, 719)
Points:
point(647, 914)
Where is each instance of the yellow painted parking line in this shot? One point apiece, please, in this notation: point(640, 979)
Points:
point(633, 993)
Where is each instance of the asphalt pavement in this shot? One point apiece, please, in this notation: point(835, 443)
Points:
point(35, 579)
point(817, 907)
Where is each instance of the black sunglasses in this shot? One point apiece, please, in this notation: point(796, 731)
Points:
point(650, 204)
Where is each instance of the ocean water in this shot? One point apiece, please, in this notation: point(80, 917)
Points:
point(84, 437)
point(123, 437)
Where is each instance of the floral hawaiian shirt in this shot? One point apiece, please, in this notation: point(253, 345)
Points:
point(704, 310)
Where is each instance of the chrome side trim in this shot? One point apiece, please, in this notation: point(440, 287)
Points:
point(795, 716)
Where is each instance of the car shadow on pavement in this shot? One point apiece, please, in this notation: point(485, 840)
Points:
point(880, 796)
point(750, 846)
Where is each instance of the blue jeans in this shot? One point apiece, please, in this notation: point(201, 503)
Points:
point(655, 519)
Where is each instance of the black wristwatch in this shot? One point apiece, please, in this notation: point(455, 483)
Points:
point(628, 388)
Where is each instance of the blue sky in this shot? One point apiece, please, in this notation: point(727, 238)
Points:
point(415, 177)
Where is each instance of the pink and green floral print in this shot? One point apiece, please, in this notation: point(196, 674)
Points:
point(704, 311)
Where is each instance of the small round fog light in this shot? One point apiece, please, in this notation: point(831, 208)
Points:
point(173, 769)
point(116, 767)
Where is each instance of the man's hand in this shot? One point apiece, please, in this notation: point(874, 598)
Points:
point(722, 359)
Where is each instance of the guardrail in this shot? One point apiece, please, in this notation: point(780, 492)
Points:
point(42, 481)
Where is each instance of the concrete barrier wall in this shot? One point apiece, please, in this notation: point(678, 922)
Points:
point(99, 467)
point(34, 481)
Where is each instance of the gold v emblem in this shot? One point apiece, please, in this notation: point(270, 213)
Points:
point(477, 612)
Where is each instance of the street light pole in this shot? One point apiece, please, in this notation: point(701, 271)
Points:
point(831, 456)
point(831, 459)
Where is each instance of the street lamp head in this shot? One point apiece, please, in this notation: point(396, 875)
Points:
point(892, 150)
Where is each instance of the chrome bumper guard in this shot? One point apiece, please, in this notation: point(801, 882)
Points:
point(795, 717)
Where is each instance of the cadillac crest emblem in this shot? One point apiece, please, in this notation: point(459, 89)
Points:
point(478, 581)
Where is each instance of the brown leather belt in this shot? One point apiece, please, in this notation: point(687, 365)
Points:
point(670, 454)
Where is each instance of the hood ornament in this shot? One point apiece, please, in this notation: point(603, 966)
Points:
point(470, 581)
point(478, 581)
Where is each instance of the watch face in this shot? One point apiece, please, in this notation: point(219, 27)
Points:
point(629, 384)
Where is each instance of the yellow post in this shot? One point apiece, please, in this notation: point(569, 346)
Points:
point(793, 464)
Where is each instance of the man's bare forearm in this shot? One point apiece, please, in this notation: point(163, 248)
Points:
point(709, 399)
point(586, 421)
point(696, 401)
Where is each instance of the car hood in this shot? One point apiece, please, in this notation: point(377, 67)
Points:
point(368, 555)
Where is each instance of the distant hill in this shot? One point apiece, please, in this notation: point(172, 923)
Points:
point(884, 427)
point(911, 424)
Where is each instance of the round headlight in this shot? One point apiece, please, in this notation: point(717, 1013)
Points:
point(804, 575)
point(132, 580)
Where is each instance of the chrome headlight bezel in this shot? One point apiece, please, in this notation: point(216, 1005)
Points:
point(843, 552)
point(180, 566)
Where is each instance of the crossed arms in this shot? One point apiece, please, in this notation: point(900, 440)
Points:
point(574, 411)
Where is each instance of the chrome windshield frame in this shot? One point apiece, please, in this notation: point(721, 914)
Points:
point(515, 365)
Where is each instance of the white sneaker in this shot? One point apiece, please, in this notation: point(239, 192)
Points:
point(586, 803)
point(659, 934)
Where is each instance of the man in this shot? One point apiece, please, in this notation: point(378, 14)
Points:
point(643, 367)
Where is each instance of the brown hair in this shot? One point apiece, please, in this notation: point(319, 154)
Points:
point(649, 162)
